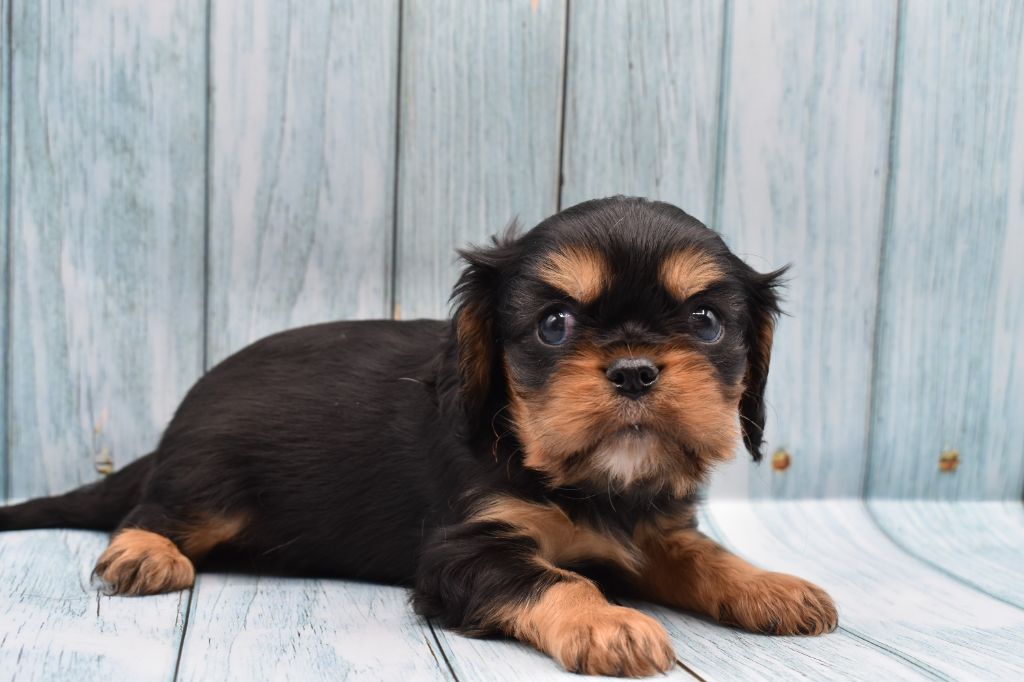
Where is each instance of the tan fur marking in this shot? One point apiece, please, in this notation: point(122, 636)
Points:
point(473, 333)
point(579, 411)
point(560, 540)
point(139, 562)
point(200, 539)
point(580, 273)
point(574, 624)
point(688, 272)
point(688, 570)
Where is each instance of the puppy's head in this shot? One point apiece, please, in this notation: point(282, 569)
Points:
point(626, 346)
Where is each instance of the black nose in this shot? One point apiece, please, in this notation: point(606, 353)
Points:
point(632, 377)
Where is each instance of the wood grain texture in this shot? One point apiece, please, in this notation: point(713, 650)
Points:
point(642, 101)
point(250, 628)
point(107, 231)
point(5, 227)
point(950, 368)
point(479, 133)
point(886, 597)
point(715, 652)
point(807, 115)
point(498, 660)
point(301, 165)
point(55, 626)
point(981, 543)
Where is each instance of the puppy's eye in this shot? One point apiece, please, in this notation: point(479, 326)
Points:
point(555, 327)
point(705, 324)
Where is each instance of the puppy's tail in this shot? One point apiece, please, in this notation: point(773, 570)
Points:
point(100, 505)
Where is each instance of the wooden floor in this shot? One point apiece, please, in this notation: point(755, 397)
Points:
point(925, 591)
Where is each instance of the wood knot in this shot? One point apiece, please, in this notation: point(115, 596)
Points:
point(949, 460)
point(780, 460)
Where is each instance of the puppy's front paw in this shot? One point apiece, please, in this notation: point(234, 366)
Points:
point(612, 641)
point(779, 604)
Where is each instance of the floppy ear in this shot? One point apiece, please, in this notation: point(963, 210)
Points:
point(475, 324)
point(763, 302)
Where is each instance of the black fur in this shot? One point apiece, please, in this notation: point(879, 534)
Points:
point(359, 449)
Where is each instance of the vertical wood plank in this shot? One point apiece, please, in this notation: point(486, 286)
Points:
point(479, 133)
point(950, 368)
point(5, 228)
point(301, 165)
point(54, 626)
point(642, 101)
point(107, 231)
point(807, 117)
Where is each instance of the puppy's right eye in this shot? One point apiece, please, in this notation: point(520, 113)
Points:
point(555, 327)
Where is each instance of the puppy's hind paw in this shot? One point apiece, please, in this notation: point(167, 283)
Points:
point(139, 562)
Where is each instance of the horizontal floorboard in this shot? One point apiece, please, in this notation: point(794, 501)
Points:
point(254, 628)
point(54, 625)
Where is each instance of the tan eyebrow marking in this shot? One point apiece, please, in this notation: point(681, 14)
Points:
point(580, 273)
point(687, 272)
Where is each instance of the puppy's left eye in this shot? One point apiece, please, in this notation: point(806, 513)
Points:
point(706, 324)
point(555, 327)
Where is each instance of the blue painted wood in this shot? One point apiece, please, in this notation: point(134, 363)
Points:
point(642, 101)
point(950, 363)
point(805, 154)
point(302, 157)
point(980, 543)
point(107, 231)
point(886, 597)
point(5, 148)
point(252, 628)
point(55, 626)
point(479, 133)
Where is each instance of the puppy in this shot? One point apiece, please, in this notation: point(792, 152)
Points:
point(544, 446)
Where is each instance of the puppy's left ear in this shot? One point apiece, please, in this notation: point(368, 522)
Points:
point(475, 323)
point(763, 304)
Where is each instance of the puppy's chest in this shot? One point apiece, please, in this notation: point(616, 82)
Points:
point(560, 539)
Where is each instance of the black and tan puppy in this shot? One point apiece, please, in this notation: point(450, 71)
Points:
point(511, 464)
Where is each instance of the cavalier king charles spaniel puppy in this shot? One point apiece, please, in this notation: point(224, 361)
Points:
point(515, 465)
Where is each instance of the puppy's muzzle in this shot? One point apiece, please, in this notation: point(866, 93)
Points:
point(632, 377)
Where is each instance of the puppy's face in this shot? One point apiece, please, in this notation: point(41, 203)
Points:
point(626, 343)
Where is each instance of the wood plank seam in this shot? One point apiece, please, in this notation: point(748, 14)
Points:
point(6, 124)
point(724, 71)
point(395, 231)
point(560, 179)
point(887, 217)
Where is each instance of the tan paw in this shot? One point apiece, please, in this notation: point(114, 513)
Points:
point(779, 604)
point(612, 641)
point(139, 562)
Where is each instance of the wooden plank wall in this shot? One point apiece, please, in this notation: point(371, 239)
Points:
point(185, 178)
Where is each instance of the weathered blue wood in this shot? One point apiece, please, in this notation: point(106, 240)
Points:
point(55, 626)
point(642, 101)
point(950, 365)
point(715, 652)
point(496, 660)
point(250, 628)
point(302, 157)
point(107, 231)
point(885, 596)
point(981, 543)
point(5, 148)
point(806, 139)
point(479, 132)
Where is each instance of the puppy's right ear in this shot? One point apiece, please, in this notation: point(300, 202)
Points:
point(475, 323)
